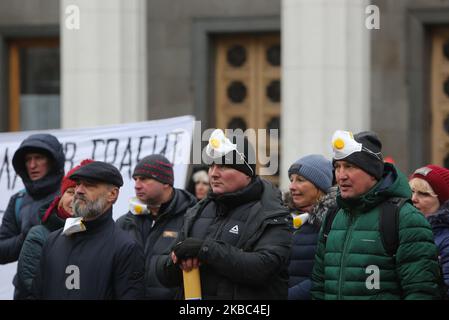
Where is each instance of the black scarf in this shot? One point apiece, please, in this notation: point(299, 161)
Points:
point(48, 184)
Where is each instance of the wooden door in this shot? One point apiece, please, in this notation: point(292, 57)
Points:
point(248, 87)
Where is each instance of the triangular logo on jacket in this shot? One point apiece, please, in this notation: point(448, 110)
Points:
point(234, 229)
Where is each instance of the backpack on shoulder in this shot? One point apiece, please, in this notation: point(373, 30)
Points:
point(388, 228)
point(388, 223)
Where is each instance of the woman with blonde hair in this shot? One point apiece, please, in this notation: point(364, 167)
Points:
point(201, 180)
point(309, 200)
point(430, 194)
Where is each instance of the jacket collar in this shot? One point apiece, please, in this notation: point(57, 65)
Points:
point(252, 192)
point(100, 221)
point(392, 184)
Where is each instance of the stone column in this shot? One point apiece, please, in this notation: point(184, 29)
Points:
point(325, 75)
point(103, 62)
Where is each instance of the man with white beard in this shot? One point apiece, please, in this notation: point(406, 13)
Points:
point(91, 257)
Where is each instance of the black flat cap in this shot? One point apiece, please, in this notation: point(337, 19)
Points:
point(99, 171)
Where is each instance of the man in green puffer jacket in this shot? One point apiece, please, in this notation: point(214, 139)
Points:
point(353, 263)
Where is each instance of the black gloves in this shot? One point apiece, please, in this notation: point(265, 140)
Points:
point(189, 248)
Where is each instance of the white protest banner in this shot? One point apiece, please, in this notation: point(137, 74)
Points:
point(121, 145)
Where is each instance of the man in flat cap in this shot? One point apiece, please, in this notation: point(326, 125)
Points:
point(91, 257)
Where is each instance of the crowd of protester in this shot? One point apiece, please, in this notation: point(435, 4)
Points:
point(350, 227)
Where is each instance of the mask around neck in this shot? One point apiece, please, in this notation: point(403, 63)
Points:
point(137, 207)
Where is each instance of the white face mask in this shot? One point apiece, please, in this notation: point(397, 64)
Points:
point(344, 144)
point(137, 207)
point(73, 225)
point(300, 219)
point(219, 146)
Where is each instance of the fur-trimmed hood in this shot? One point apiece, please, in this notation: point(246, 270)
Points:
point(324, 205)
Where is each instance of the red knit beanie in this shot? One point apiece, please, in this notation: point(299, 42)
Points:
point(66, 182)
point(437, 177)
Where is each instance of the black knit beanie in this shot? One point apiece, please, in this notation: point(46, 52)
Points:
point(244, 160)
point(370, 158)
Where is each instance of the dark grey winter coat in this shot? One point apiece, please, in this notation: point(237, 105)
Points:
point(156, 237)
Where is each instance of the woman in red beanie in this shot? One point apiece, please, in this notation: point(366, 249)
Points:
point(430, 187)
point(53, 218)
point(430, 194)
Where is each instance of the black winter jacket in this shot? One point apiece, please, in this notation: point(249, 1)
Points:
point(38, 193)
point(103, 260)
point(246, 245)
point(156, 237)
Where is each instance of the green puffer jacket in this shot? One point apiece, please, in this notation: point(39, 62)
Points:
point(354, 243)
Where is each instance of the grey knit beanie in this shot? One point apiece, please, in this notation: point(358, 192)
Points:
point(316, 169)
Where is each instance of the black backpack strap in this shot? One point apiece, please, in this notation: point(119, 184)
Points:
point(328, 222)
point(389, 223)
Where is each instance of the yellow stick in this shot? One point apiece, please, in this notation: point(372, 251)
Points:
point(192, 284)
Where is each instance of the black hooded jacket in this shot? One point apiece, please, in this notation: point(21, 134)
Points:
point(246, 248)
point(157, 236)
point(37, 193)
